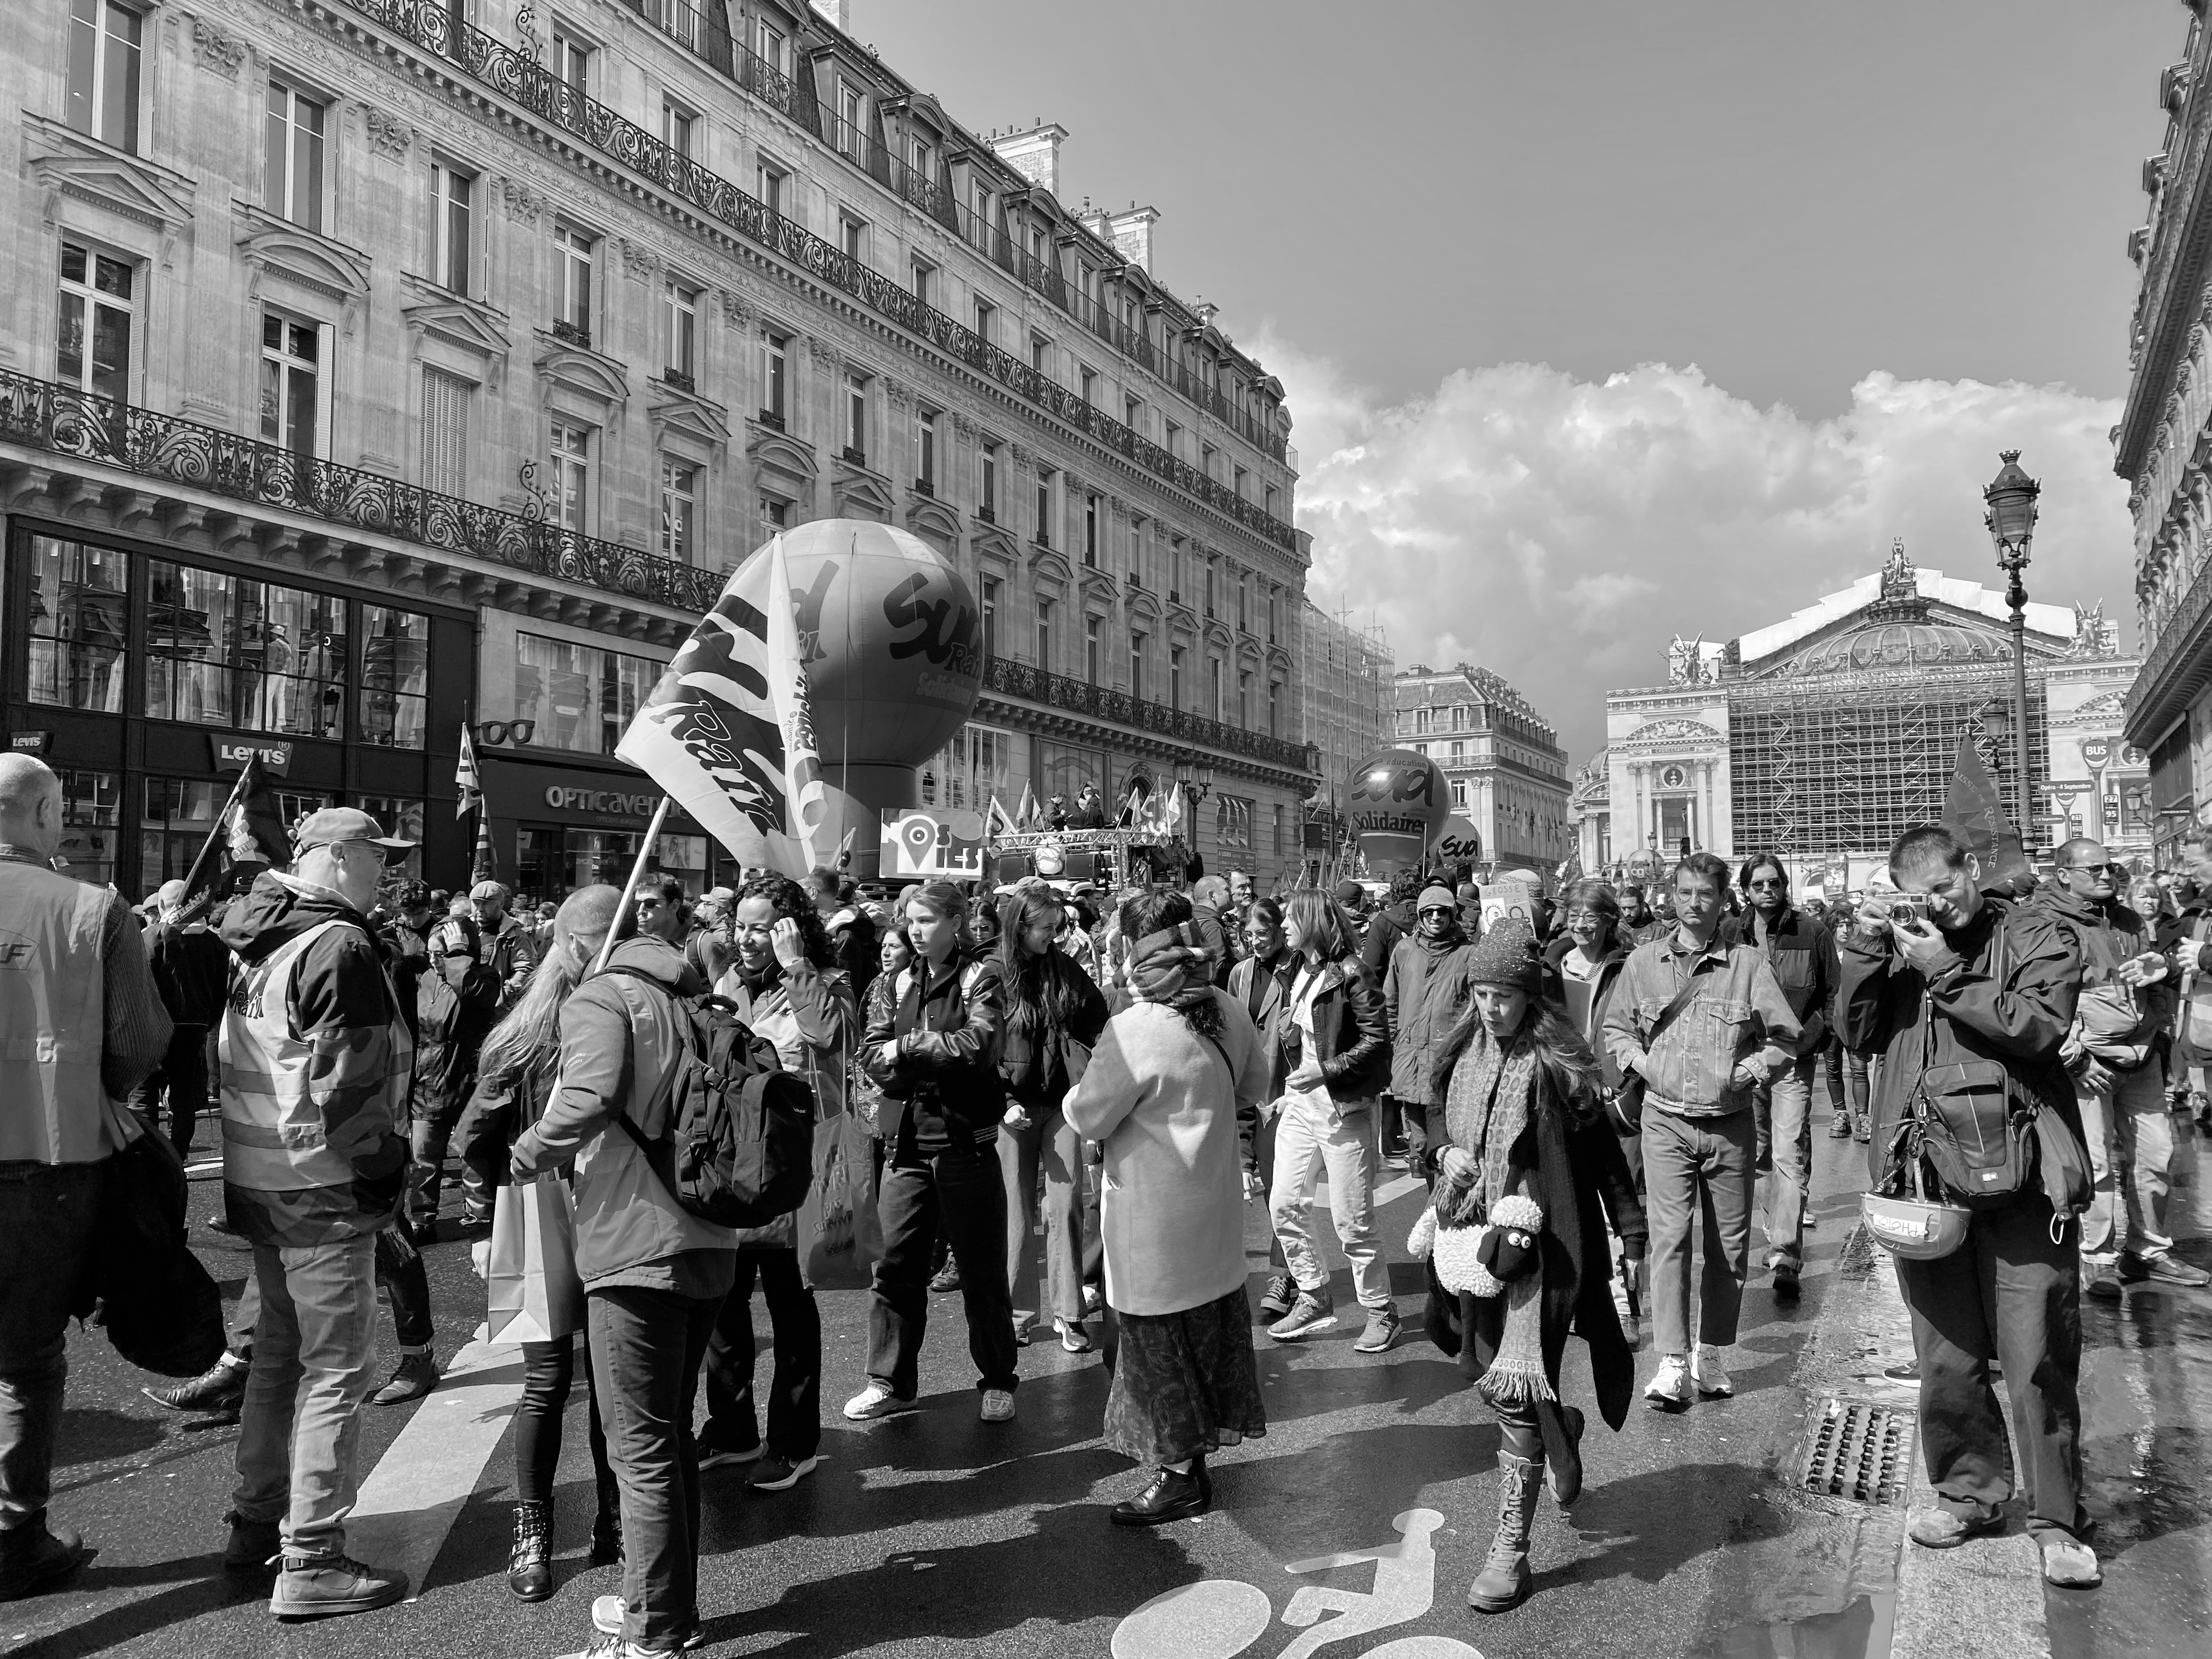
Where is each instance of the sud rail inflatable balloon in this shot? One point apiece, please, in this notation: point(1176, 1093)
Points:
point(893, 646)
point(1398, 802)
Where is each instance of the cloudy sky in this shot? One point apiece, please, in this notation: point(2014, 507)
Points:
point(1610, 320)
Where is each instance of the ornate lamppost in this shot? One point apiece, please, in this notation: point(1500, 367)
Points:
point(2011, 524)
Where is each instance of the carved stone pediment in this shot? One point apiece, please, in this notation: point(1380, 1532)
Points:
point(591, 372)
point(1142, 602)
point(671, 408)
point(469, 323)
point(772, 448)
point(859, 493)
point(1099, 586)
point(277, 247)
point(1674, 732)
point(1045, 562)
point(66, 162)
point(924, 515)
point(990, 541)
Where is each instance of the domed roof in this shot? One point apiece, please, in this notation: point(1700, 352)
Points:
point(1901, 645)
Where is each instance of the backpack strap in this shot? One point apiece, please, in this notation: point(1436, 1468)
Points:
point(682, 1034)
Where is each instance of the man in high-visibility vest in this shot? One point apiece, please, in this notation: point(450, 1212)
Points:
point(80, 1025)
point(316, 1062)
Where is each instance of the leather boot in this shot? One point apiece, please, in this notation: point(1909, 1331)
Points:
point(606, 1525)
point(35, 1558)
point(1167, 1497)
point(529, 1570)
point(1503, 1582)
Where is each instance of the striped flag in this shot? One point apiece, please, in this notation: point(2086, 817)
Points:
point(1027, 814)
point(483, 864)
point(466, 776)
point(728, 734)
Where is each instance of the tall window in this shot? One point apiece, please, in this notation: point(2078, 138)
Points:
point(291, 382)
point(985, 313)
point(395, 677)
point(990, 615)
point(583, 698)
point(1243, 602)
point(103, 71)
point(92, 347)
point(925, 451)
point(1244, 701)
point(678, 502)
point(1091, 507)
point(1044, 634)
point(852, 119)
point(925, 275)
point(222, 650)
point(769, 43)
point(1087, 383)
point(79, 625)
point(572, 60)
point(1209, 587)
point(774, 514)
point(1274, 708)
point(445, 432)
point(1136, 665)
point(1092, 626)
point(1044, 509)
point(573, 250)
point(987, 490)
point(1175, 677)
point(768, 184)
point(856, 419)
point(774, 350)
point(677, 127)
point(570, 483)
point(1213, 687)
point(1040, 350)
point(854, 235)
point(1173, 435)
point(679, 308)
point(292, 165)
point(451, 193)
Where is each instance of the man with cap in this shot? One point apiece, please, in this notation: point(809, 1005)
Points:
point(192, 971)
point(479, 963)
point(316, 1062)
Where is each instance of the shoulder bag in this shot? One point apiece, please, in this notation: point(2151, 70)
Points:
point(1628, 1099)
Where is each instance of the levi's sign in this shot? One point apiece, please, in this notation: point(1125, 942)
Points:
point(615, 802)
point(231, 755)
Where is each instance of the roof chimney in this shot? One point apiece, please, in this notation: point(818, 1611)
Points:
point(1130, 232)
point(1034, 153)
point(838, 12)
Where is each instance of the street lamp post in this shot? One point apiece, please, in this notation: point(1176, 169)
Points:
point(2011, 524)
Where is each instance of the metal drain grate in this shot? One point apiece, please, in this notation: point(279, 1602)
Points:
point(1857, 1450)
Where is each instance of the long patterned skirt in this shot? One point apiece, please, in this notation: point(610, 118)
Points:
point(1185, 1383)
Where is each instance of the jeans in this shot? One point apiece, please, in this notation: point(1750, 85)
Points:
point(962, 1194)
point(445, 1074)
point(47, 1215)
point(1051, 1142)
point(182, 1078)
point(300, 1428)
point(1309, 1137)
point(1414, 1118)
point(794, 1400)
point(2011, 1293)
point(646, 1349)
point(1700, 1169)
point(2146, 1134)
point(1790, 1115)
point(548, 1371)
point(2104, 1223)
point(398, 1270)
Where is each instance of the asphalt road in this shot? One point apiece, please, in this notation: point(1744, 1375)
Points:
point(936, 1534)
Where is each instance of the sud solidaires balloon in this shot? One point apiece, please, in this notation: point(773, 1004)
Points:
point(893, 648)
point(1398, 802)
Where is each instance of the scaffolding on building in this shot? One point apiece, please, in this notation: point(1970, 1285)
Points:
point(1346, 704)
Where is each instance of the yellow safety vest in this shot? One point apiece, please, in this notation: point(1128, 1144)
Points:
point(53, 1006)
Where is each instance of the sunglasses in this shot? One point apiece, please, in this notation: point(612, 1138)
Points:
point(1438, 910)
point(492, 733)
point(2115, 871)
point(1765, 882)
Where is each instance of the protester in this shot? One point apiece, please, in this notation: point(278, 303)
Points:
point(707, 947)
point(936, 1059)
point(517, 1070)
point(1522, 1118)
point(85, 1025)
point(1260, 983)
point(1978, 984)
point(1089, 811)
point(853, 932)
point(1336, 1055)
point(1798, 946)
point(316, 1059)
point(480, 960)
point(893, 957)
point(1390, 921)
point(1170, 1080)
point(1587, 956)
point(2183, 932)
point(653, 1273)
point(660, 909)
point(788, 988)
point(1703, 1024)
point(191, 972)
point(1217, 927)
point(1425, 990)
point(406, 939)
point(1054, 1014)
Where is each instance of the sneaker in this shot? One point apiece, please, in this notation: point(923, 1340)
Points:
point(1669, 1390)
point(1934, 1527)
point(416, 1375)
point(607, 1615)
point(1381, 1334)
point(220, 1388)
point(781, 1473)
point(325, 1586)
point(2070, 1564)
point(1313, 1313)
point(1072, 1336)
point(1093, 1299)
point(720, 1457)
point(1706, 1371)
point(2164, 1269)
point(1906, 1371)
point(1024, 1328)
point(1839, 1127)
point(997, 1405)
point(37, 1557)
point(874, 1401)
point(2100, 1279)
point(1282, 1290)
point(2134, 1267)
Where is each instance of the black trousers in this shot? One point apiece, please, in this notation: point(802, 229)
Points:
point(549, 1374)
point(181, 1081)
point(963, 1194)
point(444, 1077)
point(794, 1400)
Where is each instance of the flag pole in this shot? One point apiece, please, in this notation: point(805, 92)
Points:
point(221, 823)
point(629, 887)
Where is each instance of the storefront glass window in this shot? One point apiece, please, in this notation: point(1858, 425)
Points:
point(582, 698)
point(395, 677)
point(78, 624)
point(179, 812)
point(226, 651)
point(92, 812)
point(401, 817)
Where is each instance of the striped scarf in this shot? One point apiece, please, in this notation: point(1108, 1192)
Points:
point(1173, 966)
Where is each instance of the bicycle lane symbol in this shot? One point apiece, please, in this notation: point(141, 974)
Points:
point(1220, 1617)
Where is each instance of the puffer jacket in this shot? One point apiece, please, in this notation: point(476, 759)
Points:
point(1423, 993)
point(618, 1046)
point(1352, 1033)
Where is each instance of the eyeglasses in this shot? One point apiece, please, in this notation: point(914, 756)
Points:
point(1438, 910)
point(1765, 882)
point(1582, 913)
point(492, 733)
point(648, 904)
point(2113, 870)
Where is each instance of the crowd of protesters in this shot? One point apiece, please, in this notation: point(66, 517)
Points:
point(1591, 1097)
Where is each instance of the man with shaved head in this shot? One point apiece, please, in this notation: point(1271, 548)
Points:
point(79, 1024)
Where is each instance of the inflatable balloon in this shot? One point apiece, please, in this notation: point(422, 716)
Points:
point(893, 646)
point(1398, 802)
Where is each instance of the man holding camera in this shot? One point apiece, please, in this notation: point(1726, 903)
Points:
point(1961, 993)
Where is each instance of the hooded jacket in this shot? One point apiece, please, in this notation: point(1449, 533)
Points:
point(343, 1007)
point(2109, 933)
point(1424, 991)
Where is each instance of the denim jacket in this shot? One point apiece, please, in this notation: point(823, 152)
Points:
point(1739, 1013)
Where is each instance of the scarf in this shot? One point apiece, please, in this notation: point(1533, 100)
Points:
point(1487, 1108)
point(1173, 966)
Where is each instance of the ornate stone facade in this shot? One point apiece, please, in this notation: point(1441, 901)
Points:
point(1502, 760)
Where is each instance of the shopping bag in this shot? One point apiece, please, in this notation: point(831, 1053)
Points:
point(839, 1232)
point(536, 1293)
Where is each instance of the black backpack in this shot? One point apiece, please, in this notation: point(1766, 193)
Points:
point(743, 1127)
point(155, 1299)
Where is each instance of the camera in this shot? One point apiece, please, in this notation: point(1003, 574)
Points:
point(1907, 906)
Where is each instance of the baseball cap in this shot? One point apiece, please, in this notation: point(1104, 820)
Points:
point(335, 825)
point(1350, 892)
point(489, 890)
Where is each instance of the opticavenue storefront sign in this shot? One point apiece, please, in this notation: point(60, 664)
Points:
point(528, 792)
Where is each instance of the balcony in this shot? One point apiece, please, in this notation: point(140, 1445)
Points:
point(1051, 691)
point(770, 418)
point(679, 379)
point(575, 334)
point(63, 421)
point(987, 515)
point(923, 487)
point(857, 456)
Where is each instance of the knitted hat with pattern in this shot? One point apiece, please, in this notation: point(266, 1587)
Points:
point(1507, 956)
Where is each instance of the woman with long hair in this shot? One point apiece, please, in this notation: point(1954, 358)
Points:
point(515, 1072)
point(1336, 1060)
point(1173, 1077)
point(1051, 1004)
point(936, 1056)
point(1526, 1146)
point(1260, 982)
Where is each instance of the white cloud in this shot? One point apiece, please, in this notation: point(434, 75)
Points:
point(1559, 531)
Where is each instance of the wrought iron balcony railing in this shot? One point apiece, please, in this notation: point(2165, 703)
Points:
point(64, 421)
point(429, 25)
point(1041, 686)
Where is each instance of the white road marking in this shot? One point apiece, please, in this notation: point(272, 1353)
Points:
point(410, 1500)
